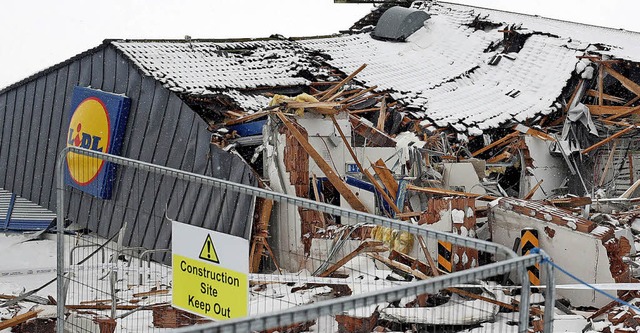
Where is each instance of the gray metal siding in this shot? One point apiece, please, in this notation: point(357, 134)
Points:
point(48, 91)
point(161, 129)
point(5, 136)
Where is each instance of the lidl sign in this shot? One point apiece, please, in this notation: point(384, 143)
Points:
point(97, 122)
point(210, 272)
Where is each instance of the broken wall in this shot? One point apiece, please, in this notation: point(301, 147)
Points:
point(578, 245)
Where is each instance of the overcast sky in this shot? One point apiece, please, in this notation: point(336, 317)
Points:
point(35, 34)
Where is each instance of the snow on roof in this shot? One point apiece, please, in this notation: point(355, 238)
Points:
point(209, 68)
point(445, 73)
point(624, 44)
point(200, 67)
point(443, 70)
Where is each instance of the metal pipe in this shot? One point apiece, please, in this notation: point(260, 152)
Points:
point(141, 258)
point(100, 247)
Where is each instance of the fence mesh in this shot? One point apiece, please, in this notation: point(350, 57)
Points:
point(313, 266)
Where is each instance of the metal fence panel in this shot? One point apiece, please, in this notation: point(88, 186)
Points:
point(325, 267)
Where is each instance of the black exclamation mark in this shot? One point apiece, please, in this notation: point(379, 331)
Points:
point(208, 249)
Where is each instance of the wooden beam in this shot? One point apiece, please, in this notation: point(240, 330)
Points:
point(611, 98)
point(247, 118)
point(533, 190)
point(440, 191)
point(407, 215)
point(482, 298)
point(260, 231)
point(534, 132)
point(351, 100)
point(602, 110)
point(627, 297)
point(624, 114)
point(339, 85)
point(609, 161)
point(364, 171)
point(308, 105)
point(342, 93)
point(337, 182)
point(622, 123)
point(399, 266)
point(573, 95)
point(605, 141)
point(316, 194)
point(635, 99)
point(364, 247)
point(496, 143)
point(570, 202)
point(432, 264)
point(630, 85)
point(19, 319)
point(374, 136)
point(108, 307)
point(150, 293)
point(383, 114)
point(500, 157)
point(386, 177)
point(561, 119)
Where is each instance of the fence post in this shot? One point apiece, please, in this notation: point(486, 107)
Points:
point(549, 295)
point(524, 300)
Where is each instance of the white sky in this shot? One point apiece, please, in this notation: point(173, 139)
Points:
point(35, 34)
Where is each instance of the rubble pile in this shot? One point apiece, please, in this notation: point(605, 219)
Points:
point(569, 175)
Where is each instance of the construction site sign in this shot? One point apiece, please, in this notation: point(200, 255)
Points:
point(210, 272)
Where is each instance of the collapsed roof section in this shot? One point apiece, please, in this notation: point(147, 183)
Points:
point(467, 69)
point(214, 76)
point(442, 74)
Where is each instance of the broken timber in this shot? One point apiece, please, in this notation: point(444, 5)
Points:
point(19, 319)
point(337, 182)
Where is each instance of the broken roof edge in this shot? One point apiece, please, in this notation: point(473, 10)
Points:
point(537, 17)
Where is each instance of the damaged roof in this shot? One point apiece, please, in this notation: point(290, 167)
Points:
point(210, 68)
point(468, 69)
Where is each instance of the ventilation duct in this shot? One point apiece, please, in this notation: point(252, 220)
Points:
point(398, 23)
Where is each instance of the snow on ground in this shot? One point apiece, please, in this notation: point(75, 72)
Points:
point(28, 264)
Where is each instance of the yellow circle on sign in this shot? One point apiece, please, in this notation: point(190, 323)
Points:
point(89, 128)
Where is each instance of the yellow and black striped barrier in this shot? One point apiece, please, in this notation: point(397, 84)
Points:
point(528, 241)
point(445, 256)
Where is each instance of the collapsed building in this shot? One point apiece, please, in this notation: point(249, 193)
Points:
point(476, 121)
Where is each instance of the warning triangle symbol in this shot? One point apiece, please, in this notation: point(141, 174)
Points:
point(208, 252)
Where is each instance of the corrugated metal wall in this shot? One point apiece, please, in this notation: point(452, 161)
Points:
point(161, 130)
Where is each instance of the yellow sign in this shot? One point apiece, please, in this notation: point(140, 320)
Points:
point(208, 251)
point(209, 280)
point(209, 290)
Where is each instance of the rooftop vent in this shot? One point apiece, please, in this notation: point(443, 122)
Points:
point(398, 23)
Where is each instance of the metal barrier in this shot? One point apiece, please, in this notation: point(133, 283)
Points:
point(317, 256)
point(283, 320)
